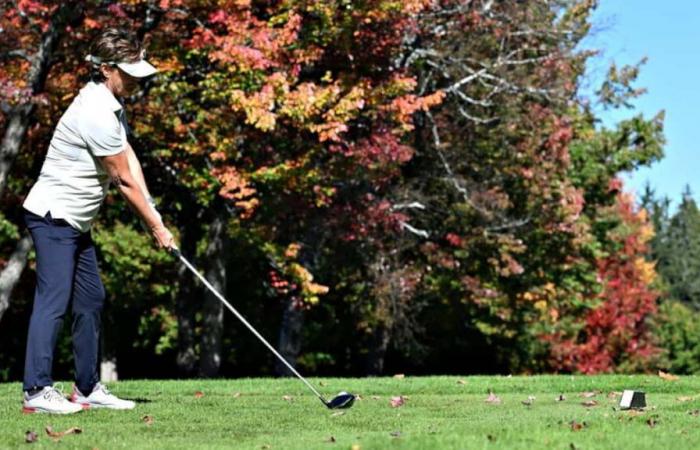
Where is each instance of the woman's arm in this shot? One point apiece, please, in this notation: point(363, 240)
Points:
point(136, 171)
point(120, 171)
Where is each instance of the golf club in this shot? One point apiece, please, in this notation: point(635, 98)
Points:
point(342, 400)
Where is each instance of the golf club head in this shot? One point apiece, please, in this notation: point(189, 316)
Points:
point(341, 401)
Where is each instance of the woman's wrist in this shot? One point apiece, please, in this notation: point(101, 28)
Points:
point(152, 203)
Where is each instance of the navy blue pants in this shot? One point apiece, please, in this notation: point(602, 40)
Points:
point(67, 274)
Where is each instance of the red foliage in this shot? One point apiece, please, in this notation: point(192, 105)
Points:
point(379, 149)
point(453, 239)
point(615, 333)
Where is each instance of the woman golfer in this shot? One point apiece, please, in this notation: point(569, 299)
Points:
point(88, 150)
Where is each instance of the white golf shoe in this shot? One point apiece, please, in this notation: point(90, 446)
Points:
point(49, 400)
point(100, 397)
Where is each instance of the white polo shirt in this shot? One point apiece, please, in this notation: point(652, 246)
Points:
point(72, 183)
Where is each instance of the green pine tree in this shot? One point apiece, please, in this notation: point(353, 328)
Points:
point(677, 249)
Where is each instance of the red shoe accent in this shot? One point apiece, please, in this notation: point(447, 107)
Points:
point(27, 410)
point(74, 398)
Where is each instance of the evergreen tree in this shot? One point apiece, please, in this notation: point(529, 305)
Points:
point(678, 251)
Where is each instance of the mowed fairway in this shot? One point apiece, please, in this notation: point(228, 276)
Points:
point(438, 412)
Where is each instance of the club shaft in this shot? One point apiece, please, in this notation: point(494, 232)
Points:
point(250, 327)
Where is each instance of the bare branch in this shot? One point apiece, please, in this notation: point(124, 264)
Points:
point(515, 88)
point(466, 98)
point(466, 80)
point(412, 205)
point(450, 173)
point(478, 120)
point(416, 231)
point(509, 225)
point(16, 54)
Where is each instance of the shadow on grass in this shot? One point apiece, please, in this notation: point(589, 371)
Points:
point(139, 400)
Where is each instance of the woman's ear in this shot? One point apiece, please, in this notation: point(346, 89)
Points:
point(106, 70)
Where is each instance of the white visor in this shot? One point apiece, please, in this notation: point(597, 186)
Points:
point(139, 69)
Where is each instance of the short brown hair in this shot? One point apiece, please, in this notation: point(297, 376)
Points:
point(114, 45)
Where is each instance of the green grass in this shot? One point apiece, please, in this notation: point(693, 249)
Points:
point(439, 412)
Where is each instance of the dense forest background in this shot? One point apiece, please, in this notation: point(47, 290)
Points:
point(379, 186)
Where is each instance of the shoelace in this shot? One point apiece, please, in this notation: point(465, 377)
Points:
point(103, 388)
point(54, 393)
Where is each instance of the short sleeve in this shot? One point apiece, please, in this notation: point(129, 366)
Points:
point(104, 133)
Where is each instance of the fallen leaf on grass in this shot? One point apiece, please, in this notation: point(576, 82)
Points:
point(198, 394)
point(695, 412)
point(491, 437)
point(461, 382)
point(590, 403)
point(236, 394)
point(530, 400)
point(652, 422)
point(684, 399)
point(590, 394)
point(375, 397)
point(30, 437)
point(56, 435)
point(399, 376)
point(667, 376)
point(355, 447)
point(397, 401)
point(395, 434)
point(287, 397)
point(493, 399)
point(148, 420)
point(358, 397)
point(561, 398)
point(337, 413)
point(265, 447)
point(577, 426)
point(614, 394)
point(635, 412)
point(331, 439)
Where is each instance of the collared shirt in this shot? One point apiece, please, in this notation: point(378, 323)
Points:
point(72, 183)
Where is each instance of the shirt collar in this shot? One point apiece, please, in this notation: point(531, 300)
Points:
point(104, 95)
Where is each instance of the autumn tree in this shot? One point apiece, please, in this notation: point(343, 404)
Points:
point(617, 332)
point(278, 124)
point(351, 175)
point(512, 175)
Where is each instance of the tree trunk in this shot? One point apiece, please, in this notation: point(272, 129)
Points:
point(293, 316)
point(13, 270)
point(213, 309)
point(186, 305)
point(17, 125)
point(20, 116)
point(186, 355)
point(290, 338)
point(18, 120)
point(377, 350)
